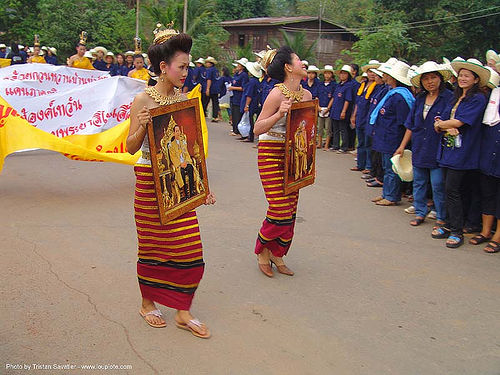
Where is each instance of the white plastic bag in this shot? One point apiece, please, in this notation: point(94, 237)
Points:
point(224, 102)
point(491, 115)
point(244, 124)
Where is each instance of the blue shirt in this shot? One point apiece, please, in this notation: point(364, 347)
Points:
point(2, 55)
point(489, 161)
point(251, 90)
point(100, 65)
point(125, 70)
point(363, 105)
point(470, 111)
point(189, 79)
point(266, 86)
point(212, 74)
point(51, 60)
point(341, 94)
point(355, 87)
point(424, 139)
point(388, 130)
point(239, 80)
point(325, 92)
point(112, 69)
point(312, 89)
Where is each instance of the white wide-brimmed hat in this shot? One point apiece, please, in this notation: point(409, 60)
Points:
point(398, 71)
point(473, 65)
point(53, 50)
point(360, 78)
point(345, 68)
point(447, 64)
point(129, 53)
point(241, 61)
point(20, 46)
point(402, 166)
point(260, 54)
point(89, 55)
point(2, 45)
point(305, 62)
point(201, 60)
point(377, 72)
point(112, 55)
point(254, 69)
point(210, 59)
point(492, 55)
point(494, 80)
point(191, 64)
point(312, 69)
point(328, 68)
point(430, 67)
point(101, 49)
point(372, 64)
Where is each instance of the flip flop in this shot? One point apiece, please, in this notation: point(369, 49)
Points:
point(189, 327)
point(417, 221)
point(155, 313)
point(374, 184)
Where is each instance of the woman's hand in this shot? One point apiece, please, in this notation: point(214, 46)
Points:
point(399, 151)
point(285, 107)
point(210, 199)
point(453, 131)
point(144, 117)
point(436, 126)
point(342, 115)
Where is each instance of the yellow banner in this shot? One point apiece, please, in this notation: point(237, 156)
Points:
point(17, 134)
point(4, 63)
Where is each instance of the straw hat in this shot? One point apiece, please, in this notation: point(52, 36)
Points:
point(2, 45)
point(201, 60)
point(254, 69)
point(242, 61)
point(191, 64)
point(377, 72)
point(112, 55)
point(305, 62)
point(210, 59)
point(313, 69)
point(345, 68)
point(360, 78)
point(447, 64)
point(260, 53)
point(492, 55)
point(102, 49)
point(372, 64)
point(129, 53)
point(398, 71)
point(20, 46)
point(429, 67)
point(494, 80)
point(53, 51)
point(89, 55)
point(327, 68)
point(44, 48)
point(402, 166)
point(473, 65)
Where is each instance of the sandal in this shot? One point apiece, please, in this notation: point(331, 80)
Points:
point(366, 171)
point(439, 233)
point(385, 203)
point(376, 199)
point(457, 239)
point(355, 169)
point(374, 184)
point(417, 221)
point(495, 248)
point(478, 239)
point(155, 313)
point(191, 325)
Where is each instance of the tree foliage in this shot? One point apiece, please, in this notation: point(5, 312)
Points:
point(239, 9)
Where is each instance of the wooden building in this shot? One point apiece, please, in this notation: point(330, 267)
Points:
point(260, 32)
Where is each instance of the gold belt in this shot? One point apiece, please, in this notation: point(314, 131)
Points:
point(277, 135)
point(146, 155)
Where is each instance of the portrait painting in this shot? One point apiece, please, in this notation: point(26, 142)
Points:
point(177, 158)
point(300, 145)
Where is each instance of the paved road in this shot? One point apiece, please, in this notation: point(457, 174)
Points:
point(371, 294)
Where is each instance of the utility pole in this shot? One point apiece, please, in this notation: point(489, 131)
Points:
point(319, 30)
point(137, 19)
point(185, 17)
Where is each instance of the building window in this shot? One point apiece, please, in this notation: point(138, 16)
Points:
point(241, 40)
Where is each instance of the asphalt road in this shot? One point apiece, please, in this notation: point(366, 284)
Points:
point(371, 294)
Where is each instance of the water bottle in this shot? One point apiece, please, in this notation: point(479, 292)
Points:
point(458, 140)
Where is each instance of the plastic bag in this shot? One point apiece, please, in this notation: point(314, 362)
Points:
point(244, 124)
point(491, 115)
point(224, 101)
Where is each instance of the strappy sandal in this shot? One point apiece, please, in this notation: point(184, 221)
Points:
point(439, 232)
point(417, 221)
point(457, 239)
point(155, 313)
point(374, 184)
point(191, 325)
point(478, 239)
point(491, 249)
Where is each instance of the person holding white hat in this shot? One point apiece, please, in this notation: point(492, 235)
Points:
point(460, 147)
point(388, 120)
point(430, 104)
point(312, 81)
point(210, 88)
point(3, 51)
point(250, 98)
point(240, 79)
point(325, 94)
point(338, 107)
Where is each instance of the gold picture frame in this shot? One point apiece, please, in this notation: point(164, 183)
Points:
point(178, 158)
point(300, 146)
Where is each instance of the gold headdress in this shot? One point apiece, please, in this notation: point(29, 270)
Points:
point(162, 34)
point(83, 38)
point(37, 41)
point(138, 45)
point(268, 57)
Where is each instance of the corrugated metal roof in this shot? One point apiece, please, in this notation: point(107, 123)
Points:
point(267, 21)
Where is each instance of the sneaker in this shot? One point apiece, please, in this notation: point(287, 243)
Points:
point(410, 210)
point(432, 215)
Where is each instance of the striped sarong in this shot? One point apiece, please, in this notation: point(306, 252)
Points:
point(170, 264)
point(276, 233)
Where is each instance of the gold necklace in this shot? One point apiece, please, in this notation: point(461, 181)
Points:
point(296, 96)
point(163, 99)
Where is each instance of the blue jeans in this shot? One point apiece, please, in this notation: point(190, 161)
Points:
point(392, 183)
point(364, 159)
point(421, 178)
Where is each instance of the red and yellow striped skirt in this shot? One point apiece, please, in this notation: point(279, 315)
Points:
point(170, 264)
point(276, 233)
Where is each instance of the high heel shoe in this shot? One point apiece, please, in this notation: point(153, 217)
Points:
point(265, 268)
point(283, 268)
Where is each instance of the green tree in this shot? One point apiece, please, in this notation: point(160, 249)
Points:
point(240, 9)
point(299, 44)
point(19, 21)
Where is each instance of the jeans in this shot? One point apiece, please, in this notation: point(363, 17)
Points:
point(364, 159)
point(392, 184)
point(421, 178)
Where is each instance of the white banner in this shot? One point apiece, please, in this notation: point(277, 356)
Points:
point(66, 101)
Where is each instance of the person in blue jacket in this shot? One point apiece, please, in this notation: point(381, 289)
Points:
point(325, 94)
point(312, 82)
point(388, 120)
point(429, 105)
point(189, 82)
point(240, 79)
point(250, 98)
point(351, 127)
point(111, 65)
point(51, 57)
point(211, 88)
point(99, 63)
point(338, 106)
point(459, 149)
point(128, 66)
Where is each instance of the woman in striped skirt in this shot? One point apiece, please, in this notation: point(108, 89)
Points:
point(276, 234)
point(170, 264)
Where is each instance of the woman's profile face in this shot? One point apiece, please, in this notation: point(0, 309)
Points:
point(176, 71)
point(466, 79)
point(296, 67)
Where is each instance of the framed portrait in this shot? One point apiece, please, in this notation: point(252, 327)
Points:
point(177, 158)
point(300, 145)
